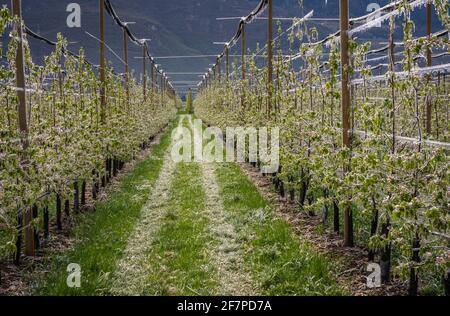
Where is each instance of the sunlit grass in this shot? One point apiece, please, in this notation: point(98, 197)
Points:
point(281, 263)
point(102, 235)
point(179, 253)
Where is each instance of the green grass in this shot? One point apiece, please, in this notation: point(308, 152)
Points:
point(282, 265)
point(179, 254)
point(101, 236)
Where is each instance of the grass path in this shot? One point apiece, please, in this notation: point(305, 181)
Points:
point(101, 236)
point(188, 229)
point(133, 268)
point(180, 256)
point(227, 252)
point(280, 263)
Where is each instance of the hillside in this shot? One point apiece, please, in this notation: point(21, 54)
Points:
point(175, 27)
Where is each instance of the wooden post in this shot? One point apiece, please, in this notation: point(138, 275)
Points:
point(125, 58)
point(144, 71)
point(429, 64)
point(152, 75)
point(243, 51)
point(392, 69)
point(162, 88)
point(219, 69)
point(102, 62)
point(243, 65)
point(345, 104)
point(23, 124)
point(227, 57)
point(269, 57)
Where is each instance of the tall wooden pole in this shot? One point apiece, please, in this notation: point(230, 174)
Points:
point(22, 116)
point(227, 61)
point(162, 88)
point(270, 56)
point(345, 104)
point(125, 58)
point(243, 51)
point(429, 64)
point(392, 70)
point(154, 78)
point(243, 65)
point(144, 71)
point(219, 69)
point(152, 72)
point(102, 62)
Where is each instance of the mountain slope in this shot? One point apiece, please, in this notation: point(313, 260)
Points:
point(178, 27)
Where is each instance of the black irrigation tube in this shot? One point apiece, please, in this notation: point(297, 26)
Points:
point(36, 36)
point(112, 12)
point(245, 20)
point(29, 32)
point(110, 9)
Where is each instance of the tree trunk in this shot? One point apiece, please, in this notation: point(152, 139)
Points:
point(19, 239)
point(46, 222)
point(35, 214)
point(385, 256)
point(115, 169)
point(76, 197)
point(281, 188)
point(67, 208)
point(373, 231)
point(413, 275)
point(303, 189)
point(108, 170)
point(58, 212)
point(336, 217)
point(447, 283)
point(83, 193)
point(94, 184)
